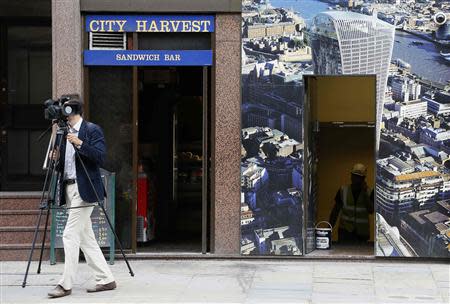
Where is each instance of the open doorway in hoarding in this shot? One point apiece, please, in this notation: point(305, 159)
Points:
point(341, 133)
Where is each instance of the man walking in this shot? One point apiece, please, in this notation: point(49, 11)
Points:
point(86, 139)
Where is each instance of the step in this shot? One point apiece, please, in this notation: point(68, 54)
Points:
point(21, 235)
point(20, 200)
point(21, 252)
point(14, 218)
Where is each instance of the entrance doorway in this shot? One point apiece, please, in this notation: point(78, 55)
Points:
point(25, 83)
point(340, 123)
point(172, 204)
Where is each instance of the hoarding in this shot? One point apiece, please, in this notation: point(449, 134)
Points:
point(283, 40)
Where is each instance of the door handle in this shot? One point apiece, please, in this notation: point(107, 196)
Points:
point(3, 136)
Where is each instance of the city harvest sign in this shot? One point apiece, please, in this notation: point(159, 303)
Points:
point(150, 23)
point(148, 58)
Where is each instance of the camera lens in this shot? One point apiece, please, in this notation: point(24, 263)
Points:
point(68, 110)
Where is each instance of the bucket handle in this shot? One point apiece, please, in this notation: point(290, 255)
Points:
point(329, 225)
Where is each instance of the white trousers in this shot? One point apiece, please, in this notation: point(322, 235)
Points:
point(78, 234)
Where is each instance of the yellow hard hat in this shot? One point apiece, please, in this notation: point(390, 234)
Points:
point(359, 169)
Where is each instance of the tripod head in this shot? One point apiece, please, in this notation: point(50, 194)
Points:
point(62, 125)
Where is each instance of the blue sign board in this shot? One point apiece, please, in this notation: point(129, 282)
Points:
point(148, 57)
point(150, 23)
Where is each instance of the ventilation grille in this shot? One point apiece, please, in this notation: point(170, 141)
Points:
point(107, 41)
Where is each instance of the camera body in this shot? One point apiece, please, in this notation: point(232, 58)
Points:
point(61, 108)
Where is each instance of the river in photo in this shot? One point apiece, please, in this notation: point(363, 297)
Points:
point(307, 9)
point(423, 55)
point(424, 58)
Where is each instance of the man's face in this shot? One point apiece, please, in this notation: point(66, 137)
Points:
point(73, 119)
point(357, 180)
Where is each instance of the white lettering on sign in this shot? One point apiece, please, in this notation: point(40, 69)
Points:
point(137, 57)
point(150, 24)
point(141, 25)
point(121, 24)
point(164, 26)
point(175, 25)
point(107, 25)
point(172, 26)
point(169, 57)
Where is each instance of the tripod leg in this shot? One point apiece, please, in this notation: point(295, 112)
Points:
point(24, 283)
point(43, 241)
point(117, 238)
point(50, 173)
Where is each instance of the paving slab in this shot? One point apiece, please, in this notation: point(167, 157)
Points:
point(239, 281)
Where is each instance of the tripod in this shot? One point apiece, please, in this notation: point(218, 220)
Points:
point(49, 195)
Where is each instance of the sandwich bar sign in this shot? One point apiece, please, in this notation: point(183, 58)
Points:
point(148, 58)
point(149, 24)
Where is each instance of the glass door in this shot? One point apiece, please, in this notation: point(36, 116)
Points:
point(25, 83)
point(110, 106)
point(190, 163)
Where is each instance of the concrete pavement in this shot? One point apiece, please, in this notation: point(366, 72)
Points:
point(237, 281)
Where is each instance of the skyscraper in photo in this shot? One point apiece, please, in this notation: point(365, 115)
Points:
point(351, 43)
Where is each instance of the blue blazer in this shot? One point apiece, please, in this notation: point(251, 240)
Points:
point(93, 153)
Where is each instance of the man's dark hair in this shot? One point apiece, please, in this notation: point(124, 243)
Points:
point(75, 100)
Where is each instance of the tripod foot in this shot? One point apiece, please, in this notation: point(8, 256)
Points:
point(132, 273)
point(24, 284)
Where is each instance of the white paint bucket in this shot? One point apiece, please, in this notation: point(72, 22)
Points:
point(323, 236)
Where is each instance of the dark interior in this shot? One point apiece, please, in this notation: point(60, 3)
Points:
point(338, 149)
point(170, 157)
point(341, 133)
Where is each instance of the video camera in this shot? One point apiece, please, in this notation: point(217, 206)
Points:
point(59, 109)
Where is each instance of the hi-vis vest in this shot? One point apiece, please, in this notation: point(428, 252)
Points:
point(354, 216)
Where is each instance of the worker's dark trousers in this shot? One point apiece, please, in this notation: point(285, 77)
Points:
point(347, 237)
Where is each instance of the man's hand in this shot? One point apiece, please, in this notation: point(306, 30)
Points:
point(73, 139)
point(54, 154)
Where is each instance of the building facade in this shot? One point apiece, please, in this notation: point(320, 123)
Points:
point(206, 113)
point(61, 38)
point(411, 109)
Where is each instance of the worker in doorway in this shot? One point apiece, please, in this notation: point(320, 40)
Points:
point(356, 203)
